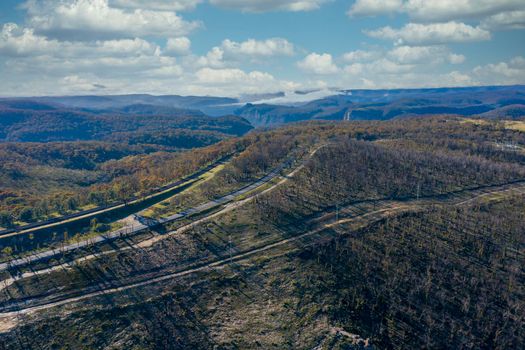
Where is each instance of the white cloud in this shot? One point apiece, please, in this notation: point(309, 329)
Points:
point(318, 64)
point(70, 62)
point(431, 34)
point(231, 53)
point(424, 55)
point(76, 83)
point(135, 67)
point(505, 20)
point(456, 78)
point(399, 61)
point(271, 5)
point(445, 10)
point(214, 58)
point(375, 7)
point(89, 67)
point(166, 71)
point(360, 56)
point(15, 41)
point(229, 75)
point(456, 59)
point(23, 42)
point(436, 10)
point(255, 48)
point(178, 46)
point(518, 61)
point(88, 46)
point(354, 68)
point(404, 67)
point(387, 73)
point(512, 72)
point(122, 47)
point(231, 81)
point(401, 76)
point(91, 19)
point(387, 66)
point(163, 5)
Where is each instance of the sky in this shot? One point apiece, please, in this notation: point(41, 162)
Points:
point(238, 47)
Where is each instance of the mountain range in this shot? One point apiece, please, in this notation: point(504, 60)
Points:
point(58, 118)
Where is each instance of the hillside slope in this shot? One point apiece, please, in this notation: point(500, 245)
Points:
point(402, 234)
point(29, 121)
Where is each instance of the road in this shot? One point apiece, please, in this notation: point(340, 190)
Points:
point(140, 227)
point(227, 203)
point(20, 309)
point(386, 208)
point(101, 210)
point(149, 242)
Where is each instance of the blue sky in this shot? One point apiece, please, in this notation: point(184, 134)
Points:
point(234, 47)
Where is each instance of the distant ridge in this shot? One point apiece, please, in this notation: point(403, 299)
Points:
point(268, 109)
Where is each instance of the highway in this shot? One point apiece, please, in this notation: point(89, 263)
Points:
point(385, 208)
point(141, 227)
point(24, 307)
point(374, 210)
point(105, 209)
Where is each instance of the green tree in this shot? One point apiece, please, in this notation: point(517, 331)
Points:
point(7, 251)
point(6, 220)
point(26, 215)
point(71, 203)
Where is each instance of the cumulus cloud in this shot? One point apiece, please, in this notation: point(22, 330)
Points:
point(456, 59)
point(231, 52)
point(401, 60)
point(178, 46)
point(23, 42)
point(387, 74)
point(431, 34)
point(112, 46)
point(230, 81)
point(77, 83)
point(318, 64)
point(255, 48)
point(445, 10)
point(28, 55)
point(360, 56)
point(271, 5)
point(436, 10)
point(409, 80)
point(15, 41)
point(163, 5)
point(424, 55)
point(505, 20)
point(214, 58)
point(229, 75)
point(511, 72)
point(398, 75)
point(388, 66)
point(404, 67)
point(88, 19)
point(375, 7)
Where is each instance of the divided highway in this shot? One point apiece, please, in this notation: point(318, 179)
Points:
point(90, 213)
point(127, 231)
point(371, 213)
point(372, 210)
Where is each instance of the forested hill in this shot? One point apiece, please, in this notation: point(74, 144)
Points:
point(26, 120)
point(486, 102)
point(403, 234)
point(94, 117)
